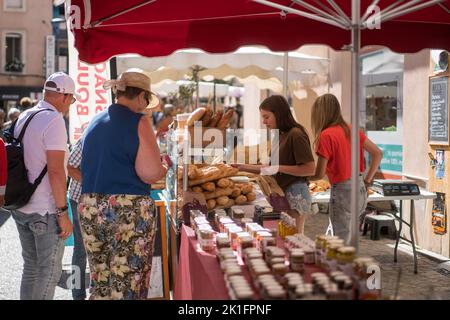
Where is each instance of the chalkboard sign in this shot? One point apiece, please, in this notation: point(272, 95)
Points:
point(438, 132)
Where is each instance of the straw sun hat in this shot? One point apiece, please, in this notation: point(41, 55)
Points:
point(133, 78)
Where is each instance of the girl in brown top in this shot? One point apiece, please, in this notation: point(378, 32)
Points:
point(296, 161)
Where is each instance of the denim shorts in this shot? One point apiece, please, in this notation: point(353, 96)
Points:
point(299, 198)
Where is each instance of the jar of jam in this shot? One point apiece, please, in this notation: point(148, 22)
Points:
point(277, 260)
point(330, 263)
point(296, 260)
point(309, 256)
point(244, 294)
point(345, 257)
point(267, 242)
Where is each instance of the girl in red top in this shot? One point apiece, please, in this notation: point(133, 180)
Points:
point(333, 148)
point(3, 172)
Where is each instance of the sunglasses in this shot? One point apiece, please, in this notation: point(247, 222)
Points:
point(147, 97)
point(73, 98)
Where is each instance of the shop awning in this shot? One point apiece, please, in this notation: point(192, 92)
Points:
point(159, 27)
point(15, 93)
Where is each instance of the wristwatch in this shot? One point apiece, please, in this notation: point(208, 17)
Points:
point(61, 211)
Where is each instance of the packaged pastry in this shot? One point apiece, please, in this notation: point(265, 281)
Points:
point(223, 221)
point(243, 243)
point(237, 214)
point(222, 241)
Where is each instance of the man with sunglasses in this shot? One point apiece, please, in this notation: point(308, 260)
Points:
point(43, 223)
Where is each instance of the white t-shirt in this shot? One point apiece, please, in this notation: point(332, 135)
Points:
point(45, 132)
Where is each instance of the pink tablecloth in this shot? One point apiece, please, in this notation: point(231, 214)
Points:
point(199, 276)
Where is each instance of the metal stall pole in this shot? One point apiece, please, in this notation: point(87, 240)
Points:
point(285, 74)
point(355, 185)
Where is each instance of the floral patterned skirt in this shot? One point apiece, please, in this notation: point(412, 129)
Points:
point(118, 234)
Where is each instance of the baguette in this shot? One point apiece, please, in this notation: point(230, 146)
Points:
point(196, 115)
point(265, 188)
point(215, 119)
point(219, 192)
point(222, 201)
point(225, 119)
point(208, 186)
point(223, 183)
point(207, 117)
point(220, 171)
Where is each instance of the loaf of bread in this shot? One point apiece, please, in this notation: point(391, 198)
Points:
point(236, 192)
point(197, 189)
point(194, 172)
point(223, 183)
point(196, 115)
point(246, 188)
point(240, 199)
point(207, 117)
point(219, 192)
point(211, 204)
point(208, 186)
point(225, 119)
point(215, 119)
point(251, 196)
point(214, 173)
point(223, 200)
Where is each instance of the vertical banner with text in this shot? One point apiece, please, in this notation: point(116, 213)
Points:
point(89, 81)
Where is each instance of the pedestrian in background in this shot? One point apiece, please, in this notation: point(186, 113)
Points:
point(43, 223)
point(79, 260)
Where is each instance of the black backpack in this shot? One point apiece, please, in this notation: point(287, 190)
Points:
point(18, 189)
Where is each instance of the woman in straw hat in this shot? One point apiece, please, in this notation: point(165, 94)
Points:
point(120, 159)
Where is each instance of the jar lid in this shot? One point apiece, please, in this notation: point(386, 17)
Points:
point(347, 250)
point(279, 267)
point(293, 275)
point(244, 294)
point(206, 234)
point(276, 293)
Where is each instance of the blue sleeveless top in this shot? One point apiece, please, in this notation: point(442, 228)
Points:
point(110, 145)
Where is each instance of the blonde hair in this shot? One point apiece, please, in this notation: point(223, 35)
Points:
point(326, 112)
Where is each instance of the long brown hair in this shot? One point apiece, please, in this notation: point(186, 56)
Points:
point(279, 106)
point(326, 112)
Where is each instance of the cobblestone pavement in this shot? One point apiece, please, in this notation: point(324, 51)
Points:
point(412, 286)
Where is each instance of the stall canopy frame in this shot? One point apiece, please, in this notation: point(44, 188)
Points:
point(195, 24)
